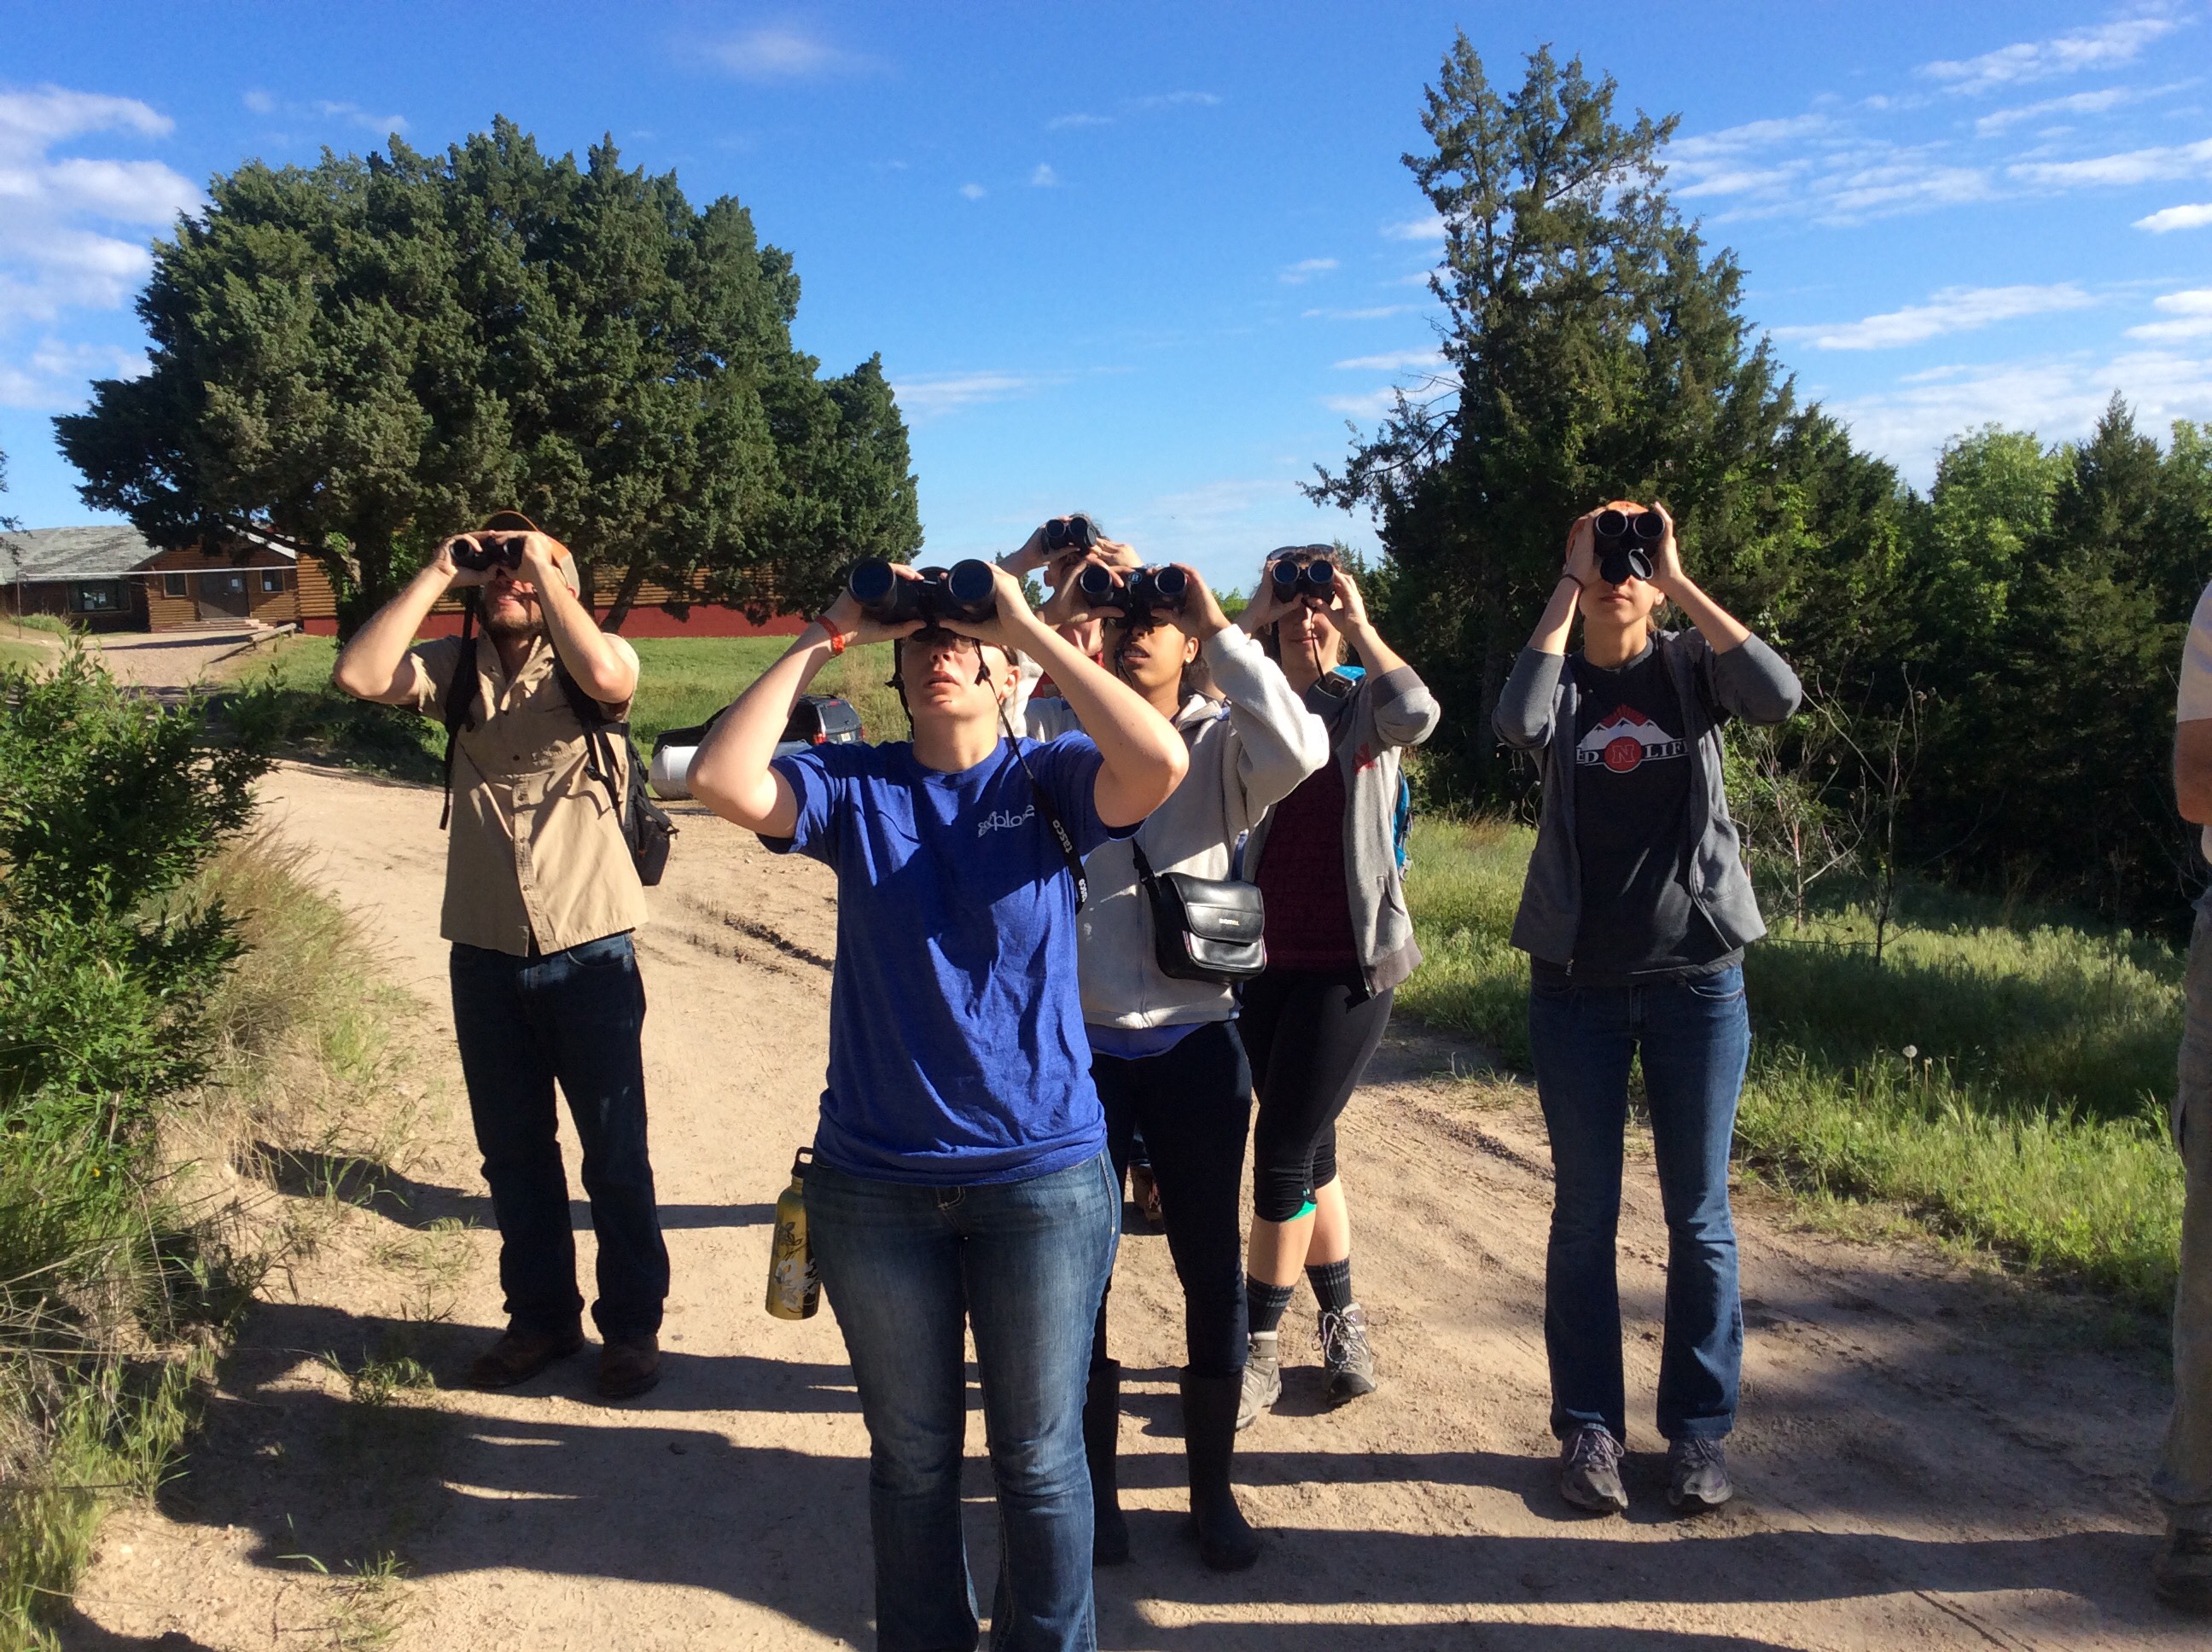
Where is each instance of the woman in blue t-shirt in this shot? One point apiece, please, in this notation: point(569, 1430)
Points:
point(960, 1177)
point(1635, 915)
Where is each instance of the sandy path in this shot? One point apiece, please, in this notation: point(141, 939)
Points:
point(1926, 1460)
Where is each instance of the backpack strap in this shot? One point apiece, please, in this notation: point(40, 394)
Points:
point(599, 729)
point(461, 694)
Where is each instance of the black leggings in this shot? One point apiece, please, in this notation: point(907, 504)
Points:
point(1194, 1104)
point(1310, 1038)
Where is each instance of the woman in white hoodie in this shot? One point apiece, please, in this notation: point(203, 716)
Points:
point(1165, 1053)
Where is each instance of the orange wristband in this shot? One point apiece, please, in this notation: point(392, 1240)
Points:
point(837, 637)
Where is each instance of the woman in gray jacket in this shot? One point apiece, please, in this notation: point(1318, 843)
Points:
point(1635, 915)
point(1165, 1053)
point(1339, 942)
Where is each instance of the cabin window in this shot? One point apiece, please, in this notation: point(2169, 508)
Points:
point(172, 585)
point(97, 597)
point(272, 579)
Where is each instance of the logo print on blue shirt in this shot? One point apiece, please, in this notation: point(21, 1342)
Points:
point(999, 819)
point(1625, 742)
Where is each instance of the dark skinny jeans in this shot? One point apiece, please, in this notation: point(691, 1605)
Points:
point(576, 1016)
point(1193, 1103)
point(1311, 1035)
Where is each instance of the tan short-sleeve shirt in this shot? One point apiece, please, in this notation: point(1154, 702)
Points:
point(537, 852)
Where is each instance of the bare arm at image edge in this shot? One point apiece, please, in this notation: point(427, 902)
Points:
point(2192, 727)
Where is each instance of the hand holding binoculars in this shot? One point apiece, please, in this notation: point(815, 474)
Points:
point(968, 591)
point(1625, 543)
point(1137, 593)
point(479, 552)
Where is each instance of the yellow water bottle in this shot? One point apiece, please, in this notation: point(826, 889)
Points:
point(794, 1288)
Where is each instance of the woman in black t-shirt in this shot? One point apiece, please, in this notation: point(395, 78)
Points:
point(1635, 915)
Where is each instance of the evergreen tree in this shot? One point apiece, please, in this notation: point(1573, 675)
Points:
point(1597, 351)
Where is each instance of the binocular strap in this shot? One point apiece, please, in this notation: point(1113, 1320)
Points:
point(1060, 832)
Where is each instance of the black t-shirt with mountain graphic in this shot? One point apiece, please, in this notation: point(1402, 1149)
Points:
point(1632, 779)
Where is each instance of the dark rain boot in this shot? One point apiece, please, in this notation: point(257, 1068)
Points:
point(1225, 1541)
point(1102, 1430)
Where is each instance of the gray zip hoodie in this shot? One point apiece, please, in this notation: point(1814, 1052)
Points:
point(1370, 719)
point(1536, 712)
point(1242, 761)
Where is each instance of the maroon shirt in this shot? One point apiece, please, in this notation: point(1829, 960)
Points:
point(1301, 877)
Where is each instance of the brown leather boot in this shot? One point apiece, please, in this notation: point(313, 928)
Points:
point(629, 1369)
point(520, 1355)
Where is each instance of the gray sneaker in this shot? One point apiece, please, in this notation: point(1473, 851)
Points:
point(2182, 1574)
point(1589, 1471)
point(1697, 1476)
point(1345, 1351)
point(1263, 1380)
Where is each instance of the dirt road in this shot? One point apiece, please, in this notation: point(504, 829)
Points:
point(1926, 1460)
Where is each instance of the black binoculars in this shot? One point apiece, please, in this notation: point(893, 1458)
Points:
point(479, 551)
point(1296, 576)
point(1138, 593)
point(968, 590)
point(1626, 543)
point(1076, 533)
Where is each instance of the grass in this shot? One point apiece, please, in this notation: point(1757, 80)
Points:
point(682, 681)
point(2027, 1120)
point(95, 1405)
point(30, 640)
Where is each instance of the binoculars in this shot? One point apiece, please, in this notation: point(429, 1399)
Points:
point(1626, 543)
point(1077, 532)
point(479, 551)
point(1136, 595)
point(968, 590)
point(1303, 576)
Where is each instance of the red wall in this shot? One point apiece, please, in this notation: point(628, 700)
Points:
point(703, 621)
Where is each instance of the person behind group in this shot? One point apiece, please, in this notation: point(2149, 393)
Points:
point(1339, 943)
point(541, 899)
point(1635, 913)
point(2182, 1574)
point(960, 1175)
point(1165, 1052)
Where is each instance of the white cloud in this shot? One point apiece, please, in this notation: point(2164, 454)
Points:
point(1070, 122)
point(780, 54)
point(1373, 312)
point(1955, 309)
point(935, 395)
point(1306, 269)
point(53, 376)
point(2192, 313)
point(973, 191)
point(73, 230)
point(325, 109)
point(1818, 166)
point(1430, 228)
point(1044, 177)
point(2136, 166)
point(2065, 54)
point(2081, 103)
point(2059, 398)
point(1427, 360)
point(258, 101)
point(1175, 100)
point(2170, 218)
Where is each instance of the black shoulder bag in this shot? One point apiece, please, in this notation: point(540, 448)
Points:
point(646, 826)
point(1203, 928)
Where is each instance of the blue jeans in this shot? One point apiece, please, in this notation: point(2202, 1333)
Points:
point(1695, 1039)
point(577, 1017)
point(906, 1269)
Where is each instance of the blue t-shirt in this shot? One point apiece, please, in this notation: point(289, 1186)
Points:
point(957, 1050)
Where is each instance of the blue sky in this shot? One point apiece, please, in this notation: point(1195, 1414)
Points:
point(1149, 259)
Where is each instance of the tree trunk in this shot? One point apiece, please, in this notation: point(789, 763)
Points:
point(371, 585)
point(633, 580)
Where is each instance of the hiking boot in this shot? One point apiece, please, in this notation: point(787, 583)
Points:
point(520, 1354)
point(629, 1369)
point(1589, 1471)
point(1345, 1351)
point(2182, 1574)
point(1696, 1475)
point(1263, 1380)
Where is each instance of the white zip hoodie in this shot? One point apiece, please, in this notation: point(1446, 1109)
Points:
point(1243, 759)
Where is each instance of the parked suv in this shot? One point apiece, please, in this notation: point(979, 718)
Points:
point(817, 720)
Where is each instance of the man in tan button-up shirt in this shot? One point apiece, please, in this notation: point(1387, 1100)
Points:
point(541, 896)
